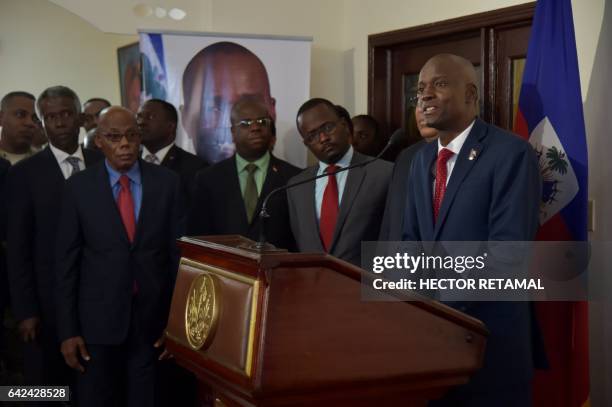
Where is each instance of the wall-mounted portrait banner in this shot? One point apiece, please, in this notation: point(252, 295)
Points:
point(203, 74)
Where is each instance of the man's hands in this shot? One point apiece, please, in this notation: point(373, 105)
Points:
point(29, 329)
point(159, 343)
point(72, 348)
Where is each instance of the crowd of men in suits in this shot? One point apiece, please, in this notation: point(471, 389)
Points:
point(90, 229)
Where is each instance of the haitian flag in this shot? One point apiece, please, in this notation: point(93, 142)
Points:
point(550, 116)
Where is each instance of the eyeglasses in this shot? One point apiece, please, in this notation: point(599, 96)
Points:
point(327, 128)
point(130, 136)
point(246, 123)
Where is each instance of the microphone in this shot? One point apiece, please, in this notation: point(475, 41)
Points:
point(395, 138)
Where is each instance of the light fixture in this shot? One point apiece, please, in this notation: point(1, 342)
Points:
point(160, 12)
point(177, 14)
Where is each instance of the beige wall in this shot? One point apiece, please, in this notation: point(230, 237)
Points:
point(42, 44)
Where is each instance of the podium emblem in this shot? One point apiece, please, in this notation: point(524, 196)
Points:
point(202, 311)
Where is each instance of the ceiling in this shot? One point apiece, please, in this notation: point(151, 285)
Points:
point(118, 16)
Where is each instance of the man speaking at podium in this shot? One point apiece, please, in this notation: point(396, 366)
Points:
point(486, 188)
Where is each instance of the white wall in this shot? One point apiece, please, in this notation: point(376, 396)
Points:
point(42, 45)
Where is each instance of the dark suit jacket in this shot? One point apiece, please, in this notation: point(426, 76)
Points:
point(494, 197)
point(186, 165)
point(361, 209)
point(97, 266)
point(393, 219)
point(35, 186)
point(218, 206)
point(4, 292)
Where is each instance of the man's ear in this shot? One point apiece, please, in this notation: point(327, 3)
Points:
point(273, 108)
point(471, 94)
point(1, 117)
point(233, 129)
point(81, 119)
point(97, 140)
point(185, 121)
point(172, 127)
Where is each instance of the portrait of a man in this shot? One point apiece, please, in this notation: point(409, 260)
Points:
point(215, 78)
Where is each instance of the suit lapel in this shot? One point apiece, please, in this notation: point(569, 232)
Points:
point(171, 160)
point(108, 200)
point(148, 195)
point(307, 206)
point(462, 167)
point(236, 201)
point(354, 179)
point(429, 158)
point(56, 173)
point(271, 182)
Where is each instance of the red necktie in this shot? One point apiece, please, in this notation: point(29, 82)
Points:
point(329, 209)
point(441, 175)
point(125, 202)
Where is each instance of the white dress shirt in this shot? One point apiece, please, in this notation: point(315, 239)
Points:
point(159, 155)
point(454, 146)
point(64, 165)
point(321, 183)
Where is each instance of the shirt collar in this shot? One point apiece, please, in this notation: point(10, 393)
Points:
point(456, 143)
point(345, 161)
point(261, 162)
point(61, 155)
point(133, 173)
point(160, 154)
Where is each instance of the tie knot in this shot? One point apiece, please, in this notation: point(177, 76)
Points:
point(251, 168)
point(124, 180)
point(74, 163)
point(331, 168)
point(73, 160)
point(444, 155)
point(150, 158)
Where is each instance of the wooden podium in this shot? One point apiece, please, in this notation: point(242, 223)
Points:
point(275, 328)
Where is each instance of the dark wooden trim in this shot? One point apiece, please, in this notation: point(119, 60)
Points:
point(486, 25)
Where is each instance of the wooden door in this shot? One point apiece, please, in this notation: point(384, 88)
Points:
point(496, 43)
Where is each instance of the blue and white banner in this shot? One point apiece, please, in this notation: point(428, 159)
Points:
point(204, 74)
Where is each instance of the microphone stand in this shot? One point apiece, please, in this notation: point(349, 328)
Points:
point(261, 244)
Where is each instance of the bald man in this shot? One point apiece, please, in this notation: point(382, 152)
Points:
point(486, 188)
point(116, 265)
point(215, 78)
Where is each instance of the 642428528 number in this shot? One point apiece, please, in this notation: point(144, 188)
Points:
point(34, 393)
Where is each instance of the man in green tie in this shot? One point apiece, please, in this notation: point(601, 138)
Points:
point(228, 195)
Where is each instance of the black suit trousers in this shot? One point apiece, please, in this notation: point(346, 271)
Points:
point(120, 375)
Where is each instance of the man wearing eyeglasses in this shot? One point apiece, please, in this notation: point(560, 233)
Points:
point(335, 213)
point(228, 195)
point(157, 121)
point(34, 188)
point(116, 265)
